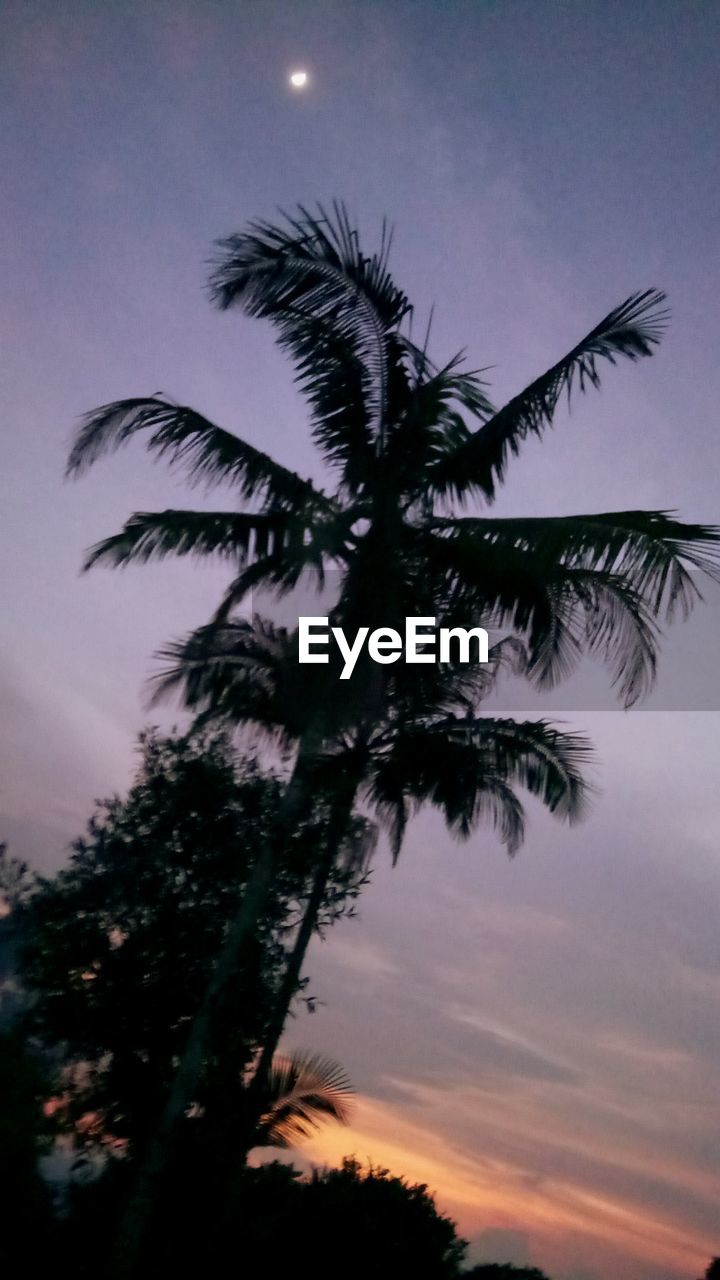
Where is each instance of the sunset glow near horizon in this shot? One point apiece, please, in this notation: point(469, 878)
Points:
point(477, 1192)
point(537, 1039)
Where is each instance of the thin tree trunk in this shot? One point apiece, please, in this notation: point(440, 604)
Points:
point(256, 1088)
point(141, 1204)
point(337, 829)
point(255, 1093)
point(253, 1103)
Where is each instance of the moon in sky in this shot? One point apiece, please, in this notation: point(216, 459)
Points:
point(299, 79)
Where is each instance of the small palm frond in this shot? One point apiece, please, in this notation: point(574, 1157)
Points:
point(534, 754)
point(237, 536)
point(631, 330)
point(428, 412)
point(488, 799)
point(465, 385)
point(210, 455)
point(306, 551)
point(597, 613)
point(246, 674)
point(276, 573)
point(304, 1090)
point(230, 673)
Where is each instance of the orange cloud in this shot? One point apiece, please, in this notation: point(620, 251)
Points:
point(480, 1192)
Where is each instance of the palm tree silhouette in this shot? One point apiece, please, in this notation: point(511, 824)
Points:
point(409, 443)
point(427, 745)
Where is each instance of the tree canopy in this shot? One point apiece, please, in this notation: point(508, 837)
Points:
point(119, 944)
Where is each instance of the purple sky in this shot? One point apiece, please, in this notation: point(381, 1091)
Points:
point(536, 1039)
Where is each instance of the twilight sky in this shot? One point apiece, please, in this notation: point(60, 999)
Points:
point(539, 1039)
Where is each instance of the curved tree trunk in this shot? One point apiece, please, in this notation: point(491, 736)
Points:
point(140, 1208)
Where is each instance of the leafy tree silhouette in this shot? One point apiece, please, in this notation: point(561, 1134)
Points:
point(117, 948)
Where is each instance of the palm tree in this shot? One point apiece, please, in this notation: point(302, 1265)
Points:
point(427, 746)
point(409, 443)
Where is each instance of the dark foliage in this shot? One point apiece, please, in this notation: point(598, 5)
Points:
point(118, 946)
point(27, 1227)
point(353, 1222)
point(503, 1271)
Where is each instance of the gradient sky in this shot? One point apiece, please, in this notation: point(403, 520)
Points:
point(539, 1039)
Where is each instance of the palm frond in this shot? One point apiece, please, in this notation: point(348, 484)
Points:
point(152, 535)
point(651, 550)
point(600, 614)
point(246, 674)
point(304, 1090)
point(496, 805)
point(489, 799)
point(468, 768)
point(230, 673)
point(428, 412)
point(534, 754)
point(631, 330)
point(562, 611)
point(333, 308)
point(276, 572)
point(210, 454)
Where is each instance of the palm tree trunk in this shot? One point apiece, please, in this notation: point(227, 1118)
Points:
point(288, 987)
point(142, 1201)
point(337, 828)
point(255, 1093)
